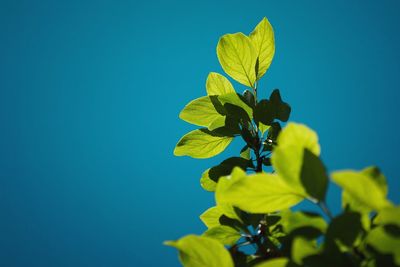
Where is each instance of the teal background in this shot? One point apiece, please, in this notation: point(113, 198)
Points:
point(90, 93)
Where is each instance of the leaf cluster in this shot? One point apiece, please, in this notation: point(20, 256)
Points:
point(252, 222)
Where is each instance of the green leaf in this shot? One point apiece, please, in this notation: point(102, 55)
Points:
point(301, 249)
point(202, 143)
point(390, 215)
point(223, 185)
point(263, 128)
point(211, 217)
point(376, 175)
point(201, 112)
point(235, 100)
point(345, 229)
point(282, 109)
point(278, 262)
point(200, 251)
point(249, 99)
point(262, 38)
point(313, 176)
point(245, 152)
point(291, 221)
point(217, 84)
point(266, 111)
point(225, 167)
point(258, 193)
point(300, 135)
point(362, 188)
point(238, 57)
point(206, 182)
point(385, 242)
point(224, 234)
point(217, 123)
point(352, 203)
point(288, 159)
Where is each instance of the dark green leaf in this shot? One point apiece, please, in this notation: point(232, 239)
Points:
point(274, 131)
point(249, 99)
point(264, 112)
point(225, 168)
point(344, 228)
point(282, 109)
point(313, 176)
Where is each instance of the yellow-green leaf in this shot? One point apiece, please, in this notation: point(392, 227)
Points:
point(224, 234)
point(207, 183)
point(200, 251)
point(258, 193)
point(200, 111)
point(234, 99)
point(263, 40)
point(202, 143)
point(263, 128)
point(223, 185)
point(211, 216)
point(384, 242)
point(300, 135)
point(287, 158)
point(294, 220)
point(302, 248)
point(390, 215)
point(278, 262)
point(362, 188)
point(217, 123)
point(238, 57)
point(218, 84)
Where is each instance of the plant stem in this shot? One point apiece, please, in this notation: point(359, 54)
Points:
point(259, 160)
point(325, 209)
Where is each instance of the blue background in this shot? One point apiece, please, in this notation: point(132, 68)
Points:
point(90, 93)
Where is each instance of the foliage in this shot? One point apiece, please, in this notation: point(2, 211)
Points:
point(252, 223)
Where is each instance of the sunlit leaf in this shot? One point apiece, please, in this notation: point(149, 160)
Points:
point(224, 234)
point(211, 217)
point(235, 100)
point(390, 215)
point(238, 57)
point(206, 182)
point(202, 143)
point(200, 251)
point(217, 123)
point(351, 203)
point(278, 262)
point(262, 38)
point(302, 248)
point(258, 193)
point(300, 135)
point(200, 111)
point(263, 128)
point(217, 84)
point(223, 185)
point(245, 152)
point(362, 188)
point(288, 159)
point(385, 242)
point(294, 220)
